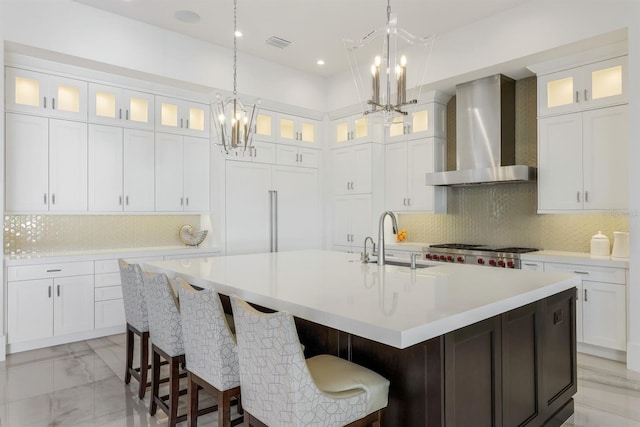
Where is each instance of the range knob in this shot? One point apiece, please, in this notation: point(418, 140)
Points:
point(449, 258)
point(480, 261)
point(510, 264)
point(492, 262)
point(442, 258)
point(501, 263)
point(460, 259)
point(427, 256)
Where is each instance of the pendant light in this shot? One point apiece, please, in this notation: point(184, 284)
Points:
point(233, 121)
point(389, 63)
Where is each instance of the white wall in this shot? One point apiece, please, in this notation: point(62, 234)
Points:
point(92, 35)
point(3, 340)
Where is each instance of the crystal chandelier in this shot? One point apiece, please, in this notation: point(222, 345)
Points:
point(233, 121)
point(386, 67)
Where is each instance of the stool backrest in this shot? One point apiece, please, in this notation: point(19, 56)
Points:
point(209, 346)
point(135, 304)
point(274, 377)
point(165, 323)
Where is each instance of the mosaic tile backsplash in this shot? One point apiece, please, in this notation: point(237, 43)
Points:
point(24, 234)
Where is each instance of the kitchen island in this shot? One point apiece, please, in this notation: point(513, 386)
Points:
point(462, 345)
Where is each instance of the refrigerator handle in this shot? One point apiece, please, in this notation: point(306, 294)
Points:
point(275, 220)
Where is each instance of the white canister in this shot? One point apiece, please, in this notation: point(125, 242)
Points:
point(620, 245)
point(600, 246)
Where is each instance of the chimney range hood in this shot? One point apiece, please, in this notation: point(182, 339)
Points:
point(485, 128)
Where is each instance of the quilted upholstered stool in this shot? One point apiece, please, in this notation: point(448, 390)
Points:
point(211, 353)
point(135, 311)
point(281, 388)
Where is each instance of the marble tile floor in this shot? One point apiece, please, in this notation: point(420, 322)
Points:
point(81, 384)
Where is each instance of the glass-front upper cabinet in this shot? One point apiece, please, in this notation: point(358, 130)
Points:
point(182, 117)
point(352, 129)
point(122, 107)
point(264, 127)
point(45, 94)
point(421, 121)
point(593, 85)
point(293, 129)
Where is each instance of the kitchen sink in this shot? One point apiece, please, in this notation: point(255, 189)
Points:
point(402, 264)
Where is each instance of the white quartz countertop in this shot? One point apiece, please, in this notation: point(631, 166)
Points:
point(389, 304)
point(99, 254)
point(574, 258)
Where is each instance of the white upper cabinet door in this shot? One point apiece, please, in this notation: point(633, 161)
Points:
point(139, 164)
point(264, 126)
point(606, 166)
point(263, 152)
point(123, 107)
point(46, 95)
point(182, 117)
point(105, 169)
point(362, 169)
point(352, 129)
point(73, 307)
point(560, 177)
point(590, 86)
point(67, 166)
point(424, 120)
point(396, 176)
point(361, 214)
point(196, 174)
point(297, 156)
point(27, 163)
point(342, 162)
point(298, 218)
point(297, 130)
point(426, 156)
point(169, 173)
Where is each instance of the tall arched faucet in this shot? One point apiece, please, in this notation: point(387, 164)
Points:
point(394, 223)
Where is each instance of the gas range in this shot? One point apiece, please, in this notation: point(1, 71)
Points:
point(461, 253)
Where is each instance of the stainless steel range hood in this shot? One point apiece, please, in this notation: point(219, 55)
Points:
point(485, 128)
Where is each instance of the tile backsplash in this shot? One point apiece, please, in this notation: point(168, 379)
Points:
point(36, 233)
point(506, 215)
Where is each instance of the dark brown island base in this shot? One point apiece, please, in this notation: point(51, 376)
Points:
point(515, 369)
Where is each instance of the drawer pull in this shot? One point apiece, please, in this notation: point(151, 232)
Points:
point(57, 270)
point(580, 272)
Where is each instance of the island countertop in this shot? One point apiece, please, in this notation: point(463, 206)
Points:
point(392, 305)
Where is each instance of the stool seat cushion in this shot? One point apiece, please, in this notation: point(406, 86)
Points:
point(342, 378)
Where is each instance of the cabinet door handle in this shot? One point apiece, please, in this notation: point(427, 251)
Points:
point(126, 200)
point(120, 114)
point(181, 201)
point(297, 155)
point(255, 152)
point(181, 123)
point(187, 123)
point(53, 199)
point(187, 201)
point(585, 95)
point(585, 296)
point(581, 272)
point(578, 197)
point(586, 196)
point(45, 101)
point(120, 200)
point(300, 158)
point(49, 291)
point(577, 97)
point(55, 270)
point(408, 201)
point(58, 291)
point(126, 115)
point(53, 103)
point(45, 198)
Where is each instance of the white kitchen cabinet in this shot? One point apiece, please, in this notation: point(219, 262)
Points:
point(602, 301)
point(352, 220)
point(264, 127)
point(46, 164)
point(44, 302)
point(424, 120)
point(289, 155)
point(352, 129)
point(297, 130)
point(182, 117)
point(532, 265)
point(121, 169)
point(45, 94)
point(121, 107)
point(249, 207)
point(352, 169)
point(406, 164)
point(181, 173)
point(259, 152)
point(594, 85)
point(582, 161)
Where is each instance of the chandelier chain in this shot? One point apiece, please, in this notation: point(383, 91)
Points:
point(388, 11)
point(235, 47)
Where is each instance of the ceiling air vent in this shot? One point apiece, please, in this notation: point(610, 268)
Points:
point(278, 42)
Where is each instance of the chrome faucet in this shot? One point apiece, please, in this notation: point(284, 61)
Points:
point(364, 256)
point(381, 234)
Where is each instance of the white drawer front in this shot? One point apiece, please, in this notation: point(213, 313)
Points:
point(45, 271)
point(589, 272)
point(110, 313)
point(109, 279)
point(111, 265)
point(108, 293)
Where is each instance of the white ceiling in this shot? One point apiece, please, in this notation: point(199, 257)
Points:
point(316, 28)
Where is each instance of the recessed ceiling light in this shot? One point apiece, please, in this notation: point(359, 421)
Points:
point(187, 16)
point(320, 62)
point(238, 33)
